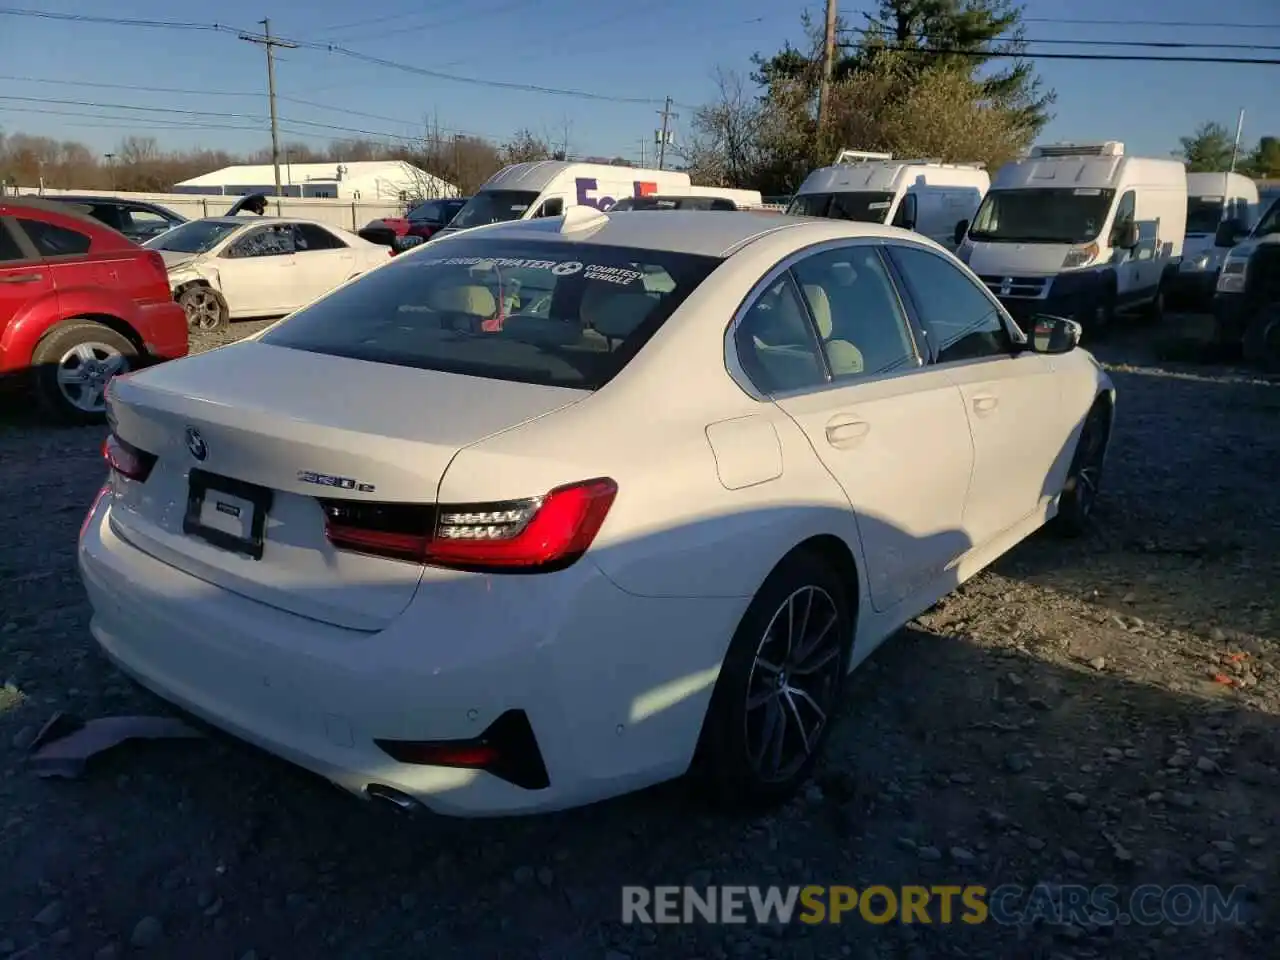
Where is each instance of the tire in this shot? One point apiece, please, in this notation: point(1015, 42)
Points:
point(1084, 477)
point(749, 696)
point(1099, 317)
point(1261, 345)
point(72, 366)
point(1153, 312)
point(206, 308)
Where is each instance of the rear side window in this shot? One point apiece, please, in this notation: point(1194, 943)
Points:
point(55, 241)
point(9, 249)
point(307, 236)
point(550, 313)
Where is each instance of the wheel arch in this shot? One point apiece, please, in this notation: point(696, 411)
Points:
point(110, 321)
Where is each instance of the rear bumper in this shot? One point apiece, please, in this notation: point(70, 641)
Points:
point(614, 686)
point(163, 327)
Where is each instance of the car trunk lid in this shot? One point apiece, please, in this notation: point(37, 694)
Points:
point(293, 428)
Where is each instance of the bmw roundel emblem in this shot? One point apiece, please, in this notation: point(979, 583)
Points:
point(196, 444)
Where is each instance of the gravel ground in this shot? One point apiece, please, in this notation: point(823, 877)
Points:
point(1102, 712)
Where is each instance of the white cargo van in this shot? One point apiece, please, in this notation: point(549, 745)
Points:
point(694, 198)
point(1080, 230)
point(927, 196)
point(547, 188)
point(1212, 199)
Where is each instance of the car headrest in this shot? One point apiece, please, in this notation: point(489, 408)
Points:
point(475, 300)
point(843, 274)
point(821, 308)
point(614, 314)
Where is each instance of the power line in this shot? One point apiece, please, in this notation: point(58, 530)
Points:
point(1161, 44)
point(1120, 57)
point(345, 52)
point(1154, 23)
point(432, 22)
point(257, 95)
point(117, 21)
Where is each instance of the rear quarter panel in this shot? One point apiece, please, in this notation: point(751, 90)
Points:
point(19, 336)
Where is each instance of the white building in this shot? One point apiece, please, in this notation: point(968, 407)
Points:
point(368, 180)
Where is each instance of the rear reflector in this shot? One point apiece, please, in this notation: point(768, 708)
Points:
point(538, 534)
point(507, 749)
point(126, 459)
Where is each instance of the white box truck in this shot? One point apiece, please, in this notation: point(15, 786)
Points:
point(927, 196)
point(1080, 230)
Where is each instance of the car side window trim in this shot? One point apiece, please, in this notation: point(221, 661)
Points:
point(785, 266)
point(1012, 330)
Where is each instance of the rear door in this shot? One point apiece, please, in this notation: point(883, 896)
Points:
point(833, 346)
point(324, 260)
point(65, 253)
point(257, 272)
point(24, 277)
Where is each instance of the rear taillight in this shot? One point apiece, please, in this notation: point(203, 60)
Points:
point(126, 459)
point(538, 534)
point(157, 262)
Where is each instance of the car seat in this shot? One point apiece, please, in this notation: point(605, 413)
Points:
point(843, 357)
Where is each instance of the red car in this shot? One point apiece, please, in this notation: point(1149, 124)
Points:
point(79, 303)
point(425, 221)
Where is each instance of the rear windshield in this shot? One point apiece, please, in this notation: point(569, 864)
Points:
point(551, 313)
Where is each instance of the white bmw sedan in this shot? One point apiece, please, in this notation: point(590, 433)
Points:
point(549, 511)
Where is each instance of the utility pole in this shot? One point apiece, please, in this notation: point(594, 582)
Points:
point(665, 135)
point(643, 146)
point(111, 165)
point(269, 43)
point(1235, 147)
point(828, 62)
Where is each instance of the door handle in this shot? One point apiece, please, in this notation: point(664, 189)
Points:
point(846, 431)
point(23, 278)
point(984, 405)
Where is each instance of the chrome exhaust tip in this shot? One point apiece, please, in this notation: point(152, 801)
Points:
point(401, 801)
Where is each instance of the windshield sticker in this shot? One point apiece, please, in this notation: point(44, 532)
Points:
point(880, 205)
point(559, 268)
point(1087, 192)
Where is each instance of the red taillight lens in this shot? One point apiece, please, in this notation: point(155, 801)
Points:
point(537, 534)
point(126, 459)
point(158, 263)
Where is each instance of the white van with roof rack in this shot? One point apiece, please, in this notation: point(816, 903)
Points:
point(1212, 200)
point(547, 188)
point(1080, 230)
point(927, 196)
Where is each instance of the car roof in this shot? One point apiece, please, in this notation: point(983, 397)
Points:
point(701, 232)
point(71, 210)
point(254, 220)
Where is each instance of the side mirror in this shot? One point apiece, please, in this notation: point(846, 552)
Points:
point(961, 229)
point(1128, 237)
point(1229, 233)
point(1054, 334)
point(407, 242)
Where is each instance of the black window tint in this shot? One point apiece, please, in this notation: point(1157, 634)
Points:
point(53, 241)
point(863, 329)
point(775, 341)
point(527, 311)
point(310, 237)
point(9, 249)
point(272, 241)
point(960, 319)
point(906, 215)
point(551, 208)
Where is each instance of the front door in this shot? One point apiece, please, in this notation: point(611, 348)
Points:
point(257, 272)
point(1010, 395)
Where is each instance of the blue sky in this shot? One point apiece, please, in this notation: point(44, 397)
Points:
point(626, 50)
